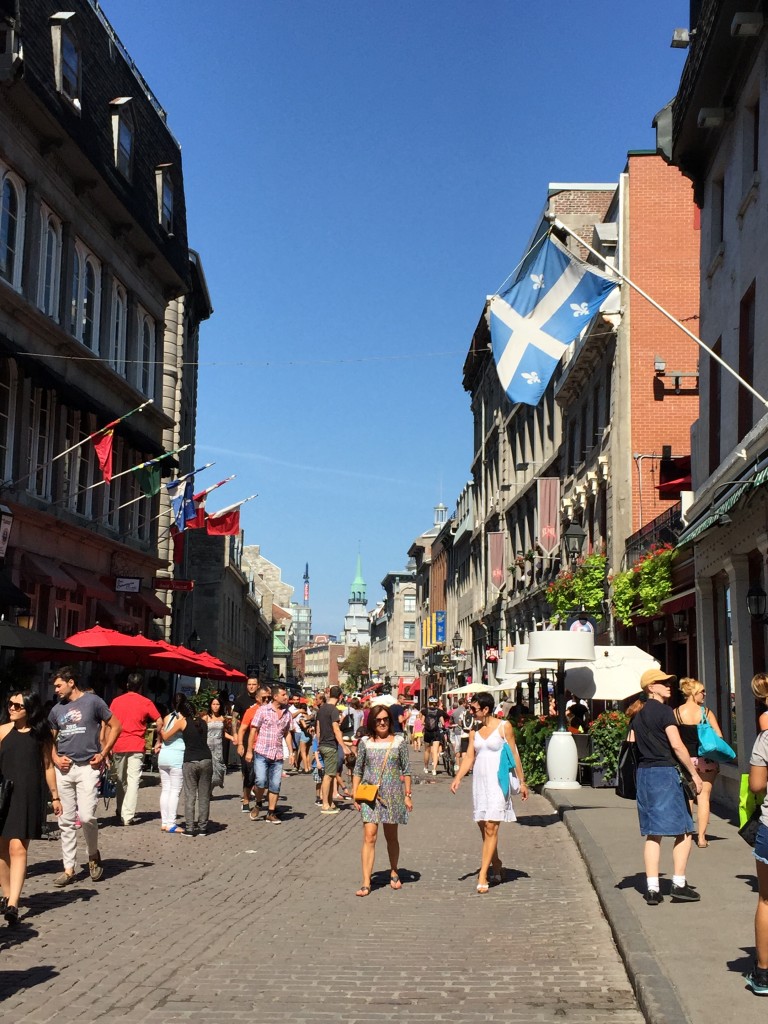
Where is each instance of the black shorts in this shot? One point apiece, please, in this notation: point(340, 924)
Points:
point(432, 737)
point(464, 745)
point(246, 767)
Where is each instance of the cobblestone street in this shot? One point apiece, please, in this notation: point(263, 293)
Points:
point(260, 922)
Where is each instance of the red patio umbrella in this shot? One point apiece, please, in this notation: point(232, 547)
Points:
point(222, 670)
point(114, 648)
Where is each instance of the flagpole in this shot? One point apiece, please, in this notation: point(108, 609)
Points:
point(138, 465)
point(181, 479)
point(712, 354)
point(202, 493)
point(231, 508)
point(79, 444)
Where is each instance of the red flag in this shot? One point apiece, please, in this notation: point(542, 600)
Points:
point(225, 524)
point(102, 442)
point(178, 545)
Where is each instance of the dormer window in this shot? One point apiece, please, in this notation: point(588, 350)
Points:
point(164, 184)
point(66, 57)
point(123, 134)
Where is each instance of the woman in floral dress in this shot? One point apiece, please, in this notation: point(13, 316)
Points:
point(383, 761)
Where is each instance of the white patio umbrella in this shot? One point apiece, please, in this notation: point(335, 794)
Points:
point(614, 674)
point(469, 688)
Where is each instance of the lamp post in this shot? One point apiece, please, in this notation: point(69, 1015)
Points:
point(756, 603)
point(574, 538)
point(195, 642)
point(559, 647)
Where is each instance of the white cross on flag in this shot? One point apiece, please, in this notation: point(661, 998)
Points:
point(534, 322)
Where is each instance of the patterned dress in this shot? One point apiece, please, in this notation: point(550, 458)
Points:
point(389, 808)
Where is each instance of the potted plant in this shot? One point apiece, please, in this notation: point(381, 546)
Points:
point(606, 733)
point(582, 588)
point(641, 589)
point(531, 735)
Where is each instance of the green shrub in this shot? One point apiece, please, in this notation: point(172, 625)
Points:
point(531, 737)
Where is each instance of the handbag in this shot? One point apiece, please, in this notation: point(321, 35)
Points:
point(626, 772)
point(6, 792)
point(712, 746)
point(686, 781)
point(748, 831)
point(367, 792)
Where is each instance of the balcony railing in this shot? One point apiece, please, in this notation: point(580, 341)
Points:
point(664, 529)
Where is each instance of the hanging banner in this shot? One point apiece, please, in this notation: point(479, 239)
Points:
point(548, 497)
point(439, 627)
point(496, 559)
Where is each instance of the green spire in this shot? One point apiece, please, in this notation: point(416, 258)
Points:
point(357, 590)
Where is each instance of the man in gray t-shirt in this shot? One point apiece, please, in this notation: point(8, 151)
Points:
point(79, 757)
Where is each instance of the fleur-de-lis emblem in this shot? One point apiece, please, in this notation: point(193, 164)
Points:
point(580, 308)
point(532, 377)
point(538, 281)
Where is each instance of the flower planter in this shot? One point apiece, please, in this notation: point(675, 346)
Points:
point(591, 775)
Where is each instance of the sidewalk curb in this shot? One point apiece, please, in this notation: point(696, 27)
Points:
point(655, 994)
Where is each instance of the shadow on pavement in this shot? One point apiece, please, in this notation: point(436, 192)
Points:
point(538, 820)
point(637, 882)
point(744, 963)
point(12, 981)
point(380, 879)
point(41, 902)
point(749, 880)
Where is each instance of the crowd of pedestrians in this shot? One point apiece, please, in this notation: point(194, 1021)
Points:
point(65, 753)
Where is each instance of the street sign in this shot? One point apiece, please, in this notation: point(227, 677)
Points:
point(165, 583)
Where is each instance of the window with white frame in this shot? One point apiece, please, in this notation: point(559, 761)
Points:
point(164, 186)
point(409, 631)
point(50, 263)
point(85, 298)
point(78, 463)
point(408, 661)
point(409, 602)
point(67, 58)
point(117, 328)
point(8, 384)
point(123, 132)
point(147, 349)
point(40, 442)
point(12, 203)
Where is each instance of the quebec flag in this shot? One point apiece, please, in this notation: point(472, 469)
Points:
point(536, 319)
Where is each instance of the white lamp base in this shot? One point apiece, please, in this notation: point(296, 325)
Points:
point(562, 762)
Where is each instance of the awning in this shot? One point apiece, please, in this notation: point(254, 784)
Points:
point(90, 583)
point(10, 595)
point(45, 570)
point(158, 608)
point(712, 519)
point(680, 603)
point(114, 613)
point(414, 688)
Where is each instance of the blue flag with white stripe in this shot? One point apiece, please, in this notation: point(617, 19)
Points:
point(534, 322)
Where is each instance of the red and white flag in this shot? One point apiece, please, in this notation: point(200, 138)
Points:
point(225, 523)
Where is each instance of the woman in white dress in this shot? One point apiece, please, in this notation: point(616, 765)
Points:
point(483, 757)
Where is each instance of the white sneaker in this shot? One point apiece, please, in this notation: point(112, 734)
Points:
point(434, 771)
point(426, 771)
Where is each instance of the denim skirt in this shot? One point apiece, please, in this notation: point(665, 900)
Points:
point(662, 805)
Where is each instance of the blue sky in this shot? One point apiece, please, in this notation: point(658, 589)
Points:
point(359, 176)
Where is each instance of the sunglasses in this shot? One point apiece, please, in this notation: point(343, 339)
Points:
point(381, 721)
point(13, 706)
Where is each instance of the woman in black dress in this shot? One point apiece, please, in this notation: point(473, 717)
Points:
point(25, 759)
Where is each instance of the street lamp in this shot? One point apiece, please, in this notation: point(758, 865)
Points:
point(456, 641)
point(194, 643)
point(756, 602)
point(574, 538)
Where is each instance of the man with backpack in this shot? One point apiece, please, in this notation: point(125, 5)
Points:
point(434, 723)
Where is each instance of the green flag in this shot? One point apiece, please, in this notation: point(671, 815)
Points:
point(148, 476)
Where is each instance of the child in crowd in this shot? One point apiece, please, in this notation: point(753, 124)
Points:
point(418, 731)
point(318, 769)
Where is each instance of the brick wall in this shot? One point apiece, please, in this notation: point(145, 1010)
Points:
point(664, 261)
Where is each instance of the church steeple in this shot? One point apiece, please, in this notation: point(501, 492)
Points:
point(357, 593)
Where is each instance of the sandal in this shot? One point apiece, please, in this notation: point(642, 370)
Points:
point(482, 888)
point(702, 844)
point(364, 890)
point(394, 880)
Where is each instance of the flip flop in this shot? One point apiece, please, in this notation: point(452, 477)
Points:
point(394, 880)
point(702, 846)
point(364, 890)
point(482, 888)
